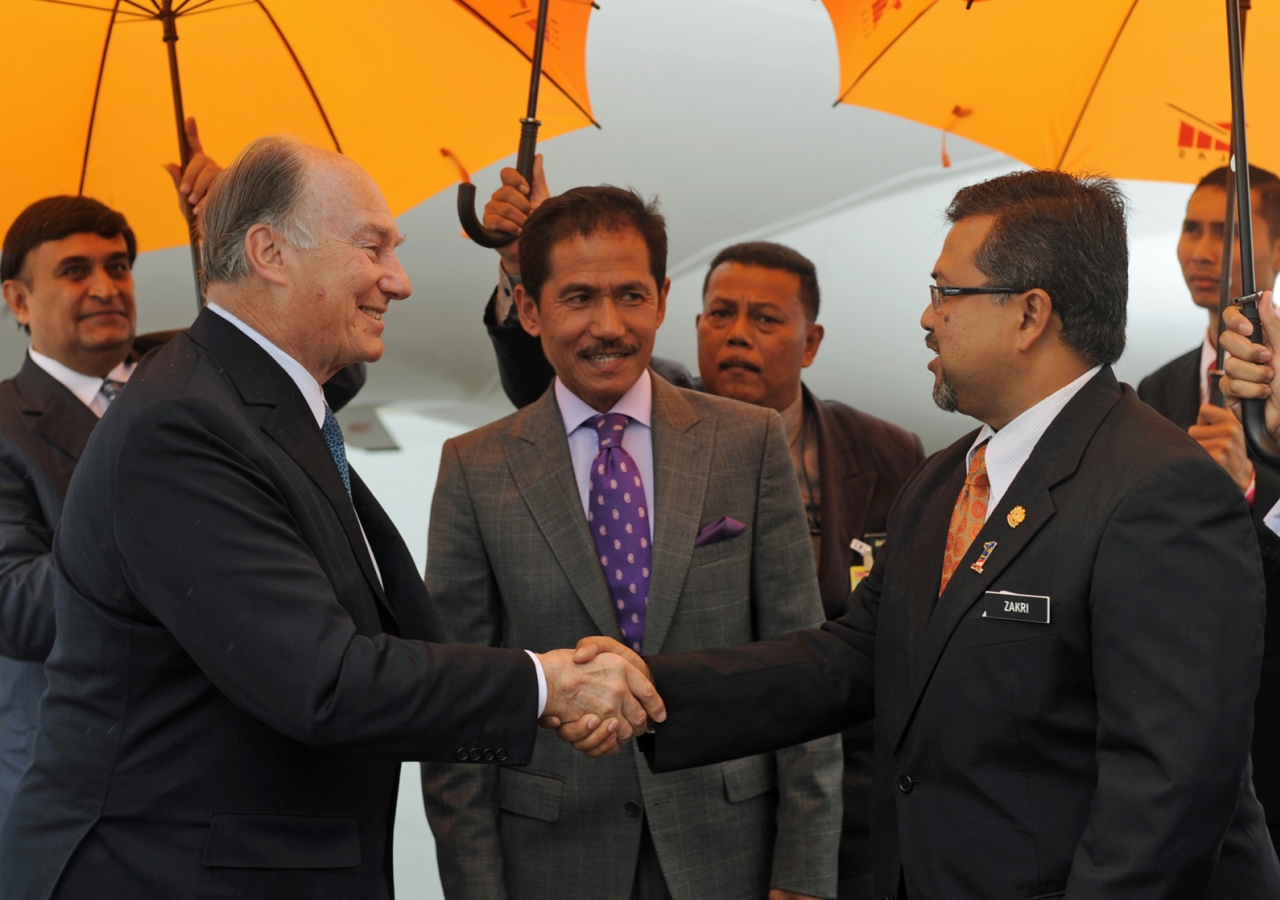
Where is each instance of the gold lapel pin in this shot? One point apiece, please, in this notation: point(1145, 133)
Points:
point(1017, 516)
point(982, 560)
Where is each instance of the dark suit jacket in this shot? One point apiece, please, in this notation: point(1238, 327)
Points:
point(1173, 390)
point(232, 688)
point(43, 430)
point(863, 462)
point(1102, 755)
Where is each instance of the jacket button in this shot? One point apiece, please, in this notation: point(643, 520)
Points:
point(474, 755)
point(488, 755)
point(633, 809)
point(500, 755)
point(905, 784)
point(461, 755)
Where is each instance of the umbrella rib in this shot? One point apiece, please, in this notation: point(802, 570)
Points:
point(303, 72)
point(97, 92)
point(1084, 107)
point(105, 9)
point(880, 55)
point(199, 8)
point(516, 47)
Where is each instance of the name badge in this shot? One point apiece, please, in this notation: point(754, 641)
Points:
point(1018, 607)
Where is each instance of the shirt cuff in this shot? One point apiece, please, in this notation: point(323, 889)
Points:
point(1272, 519)
point(1252, 490)
point(505, 302)
point(542, 682)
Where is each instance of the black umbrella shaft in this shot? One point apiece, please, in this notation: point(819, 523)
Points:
point(529, 124)
point(535, 77)
point(1228, 238)
point(170, 21)
point(1240, 140)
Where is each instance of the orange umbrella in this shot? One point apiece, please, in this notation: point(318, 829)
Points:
point(1128, 88)
point(93, 89)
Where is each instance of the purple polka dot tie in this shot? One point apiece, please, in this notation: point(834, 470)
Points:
point(618, 516)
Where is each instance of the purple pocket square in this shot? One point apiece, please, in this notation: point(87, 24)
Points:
point(721, 529)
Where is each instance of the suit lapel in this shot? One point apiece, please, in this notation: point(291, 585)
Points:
point(846, 496)
point(59, 415)
point(681, 470)
point(261, 382)
point(1055, 458)
point(1182, 391)
point(537, 452)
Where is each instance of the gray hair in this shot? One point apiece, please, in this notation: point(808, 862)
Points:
point(265, 185)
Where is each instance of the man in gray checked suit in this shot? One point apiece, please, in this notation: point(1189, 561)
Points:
point(542, 533)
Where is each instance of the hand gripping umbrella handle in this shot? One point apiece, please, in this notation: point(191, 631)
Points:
point(487, 237)
point(1254, 412)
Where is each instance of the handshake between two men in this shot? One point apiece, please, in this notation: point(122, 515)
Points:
point(599, 695)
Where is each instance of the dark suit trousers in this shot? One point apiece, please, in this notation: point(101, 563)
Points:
point(650, 883)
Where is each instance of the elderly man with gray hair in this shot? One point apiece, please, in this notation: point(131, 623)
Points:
point(243, 654)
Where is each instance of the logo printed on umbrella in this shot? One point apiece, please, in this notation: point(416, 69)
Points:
point(1201, 137)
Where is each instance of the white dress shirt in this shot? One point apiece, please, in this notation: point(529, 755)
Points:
point(637, 440)
point(1011, 446)
point(87, 388)
point(313, 393)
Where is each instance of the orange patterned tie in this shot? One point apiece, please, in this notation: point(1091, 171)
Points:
point(969, 515)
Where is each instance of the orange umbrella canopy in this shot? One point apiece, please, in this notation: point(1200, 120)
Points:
point(1129, 88)
point(90, 107)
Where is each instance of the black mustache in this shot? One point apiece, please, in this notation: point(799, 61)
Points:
point(618, 348)
point(931, 342)
point(738, 362)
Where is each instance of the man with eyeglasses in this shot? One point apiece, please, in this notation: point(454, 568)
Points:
point(1062, 638)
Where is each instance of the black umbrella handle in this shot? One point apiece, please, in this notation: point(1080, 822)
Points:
point(487, 237)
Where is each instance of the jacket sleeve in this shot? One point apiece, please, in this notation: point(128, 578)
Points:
point(27, 577)
point(462, 801)
point(1177, 611)
point(208, 546)
point(522, 366)
point(785, 598)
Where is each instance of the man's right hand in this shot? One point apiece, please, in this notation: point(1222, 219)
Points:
point(1248, 373)
point(193, 183)
point(511, 206)
point(606, 698)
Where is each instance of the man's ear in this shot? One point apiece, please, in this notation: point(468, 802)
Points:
point(662, 300)
point(264, 249)
point(16, 294)
point(528, 310)
point(812, 340)
point(1036, 308)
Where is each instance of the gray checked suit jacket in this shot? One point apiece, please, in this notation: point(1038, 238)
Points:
point(510, 562)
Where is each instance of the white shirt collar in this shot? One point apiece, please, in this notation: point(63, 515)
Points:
point(636, 403)
point(85, 387)
point(1011, 446)
point(307, 385)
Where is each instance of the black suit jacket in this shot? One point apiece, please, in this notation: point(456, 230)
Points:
point(1102, 755)
point(863, 462)
point(232, 688)
point(1173, 390)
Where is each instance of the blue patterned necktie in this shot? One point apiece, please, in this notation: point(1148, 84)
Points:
point(333, 437)
point(617, 513)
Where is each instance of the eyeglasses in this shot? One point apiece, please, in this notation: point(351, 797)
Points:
point(937, 292)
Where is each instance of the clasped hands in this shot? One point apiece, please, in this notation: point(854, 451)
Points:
point(599, 695)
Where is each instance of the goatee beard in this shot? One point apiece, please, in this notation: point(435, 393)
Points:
point(944, 394)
